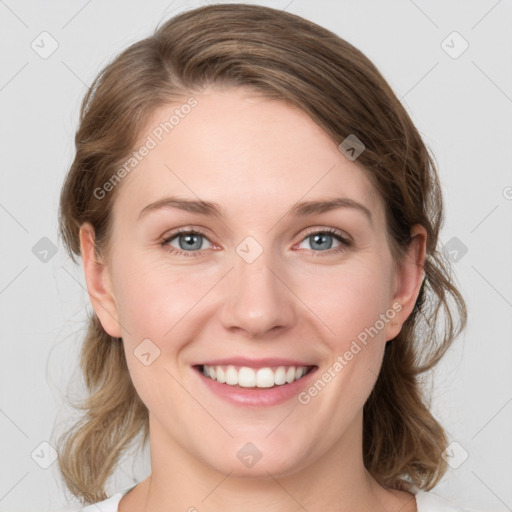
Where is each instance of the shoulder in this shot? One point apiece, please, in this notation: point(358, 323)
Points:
point(426, 502)
point(109, 505)
point(430, 502)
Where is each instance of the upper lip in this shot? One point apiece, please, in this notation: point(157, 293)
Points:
point(254, 363)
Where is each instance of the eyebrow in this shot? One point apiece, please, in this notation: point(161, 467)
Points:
point(299, 209)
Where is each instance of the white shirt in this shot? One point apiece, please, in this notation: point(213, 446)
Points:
point(425, 502)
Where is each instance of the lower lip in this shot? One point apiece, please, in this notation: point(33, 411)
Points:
point(257, 396)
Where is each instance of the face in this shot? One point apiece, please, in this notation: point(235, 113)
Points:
point(223, 262)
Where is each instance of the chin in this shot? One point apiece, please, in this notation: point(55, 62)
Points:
point(257, 459)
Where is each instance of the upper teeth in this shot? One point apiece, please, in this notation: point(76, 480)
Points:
point(249, 377)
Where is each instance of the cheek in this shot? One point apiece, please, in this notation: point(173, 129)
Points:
point(157, 307)
point(351, 303)
point(348, 299)
point(152, 298)
point(154, 305)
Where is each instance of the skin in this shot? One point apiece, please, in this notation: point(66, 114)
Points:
point(256, 158)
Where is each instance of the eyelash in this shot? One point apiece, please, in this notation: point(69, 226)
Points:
point(344, 242)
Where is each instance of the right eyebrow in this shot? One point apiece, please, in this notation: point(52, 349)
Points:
point(188, 205)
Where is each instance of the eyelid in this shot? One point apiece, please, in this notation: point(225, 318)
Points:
point(344, 238)
point(166, 239)
point(333, 231)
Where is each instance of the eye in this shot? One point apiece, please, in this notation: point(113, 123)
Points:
point(322, 240)
point(189, 242)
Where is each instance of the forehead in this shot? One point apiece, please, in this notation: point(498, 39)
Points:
point(237, 148)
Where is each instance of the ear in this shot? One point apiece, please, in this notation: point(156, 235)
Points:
point(408, 280)
point(99, 284)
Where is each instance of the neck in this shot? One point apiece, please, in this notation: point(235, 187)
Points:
point(336, 481)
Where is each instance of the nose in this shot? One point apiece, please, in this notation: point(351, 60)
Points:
point(257, 298)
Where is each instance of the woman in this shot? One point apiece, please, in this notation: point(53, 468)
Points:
point(258, 221)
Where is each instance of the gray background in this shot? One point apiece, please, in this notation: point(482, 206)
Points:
point(462, 107)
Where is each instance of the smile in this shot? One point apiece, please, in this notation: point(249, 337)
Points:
point(245, 377)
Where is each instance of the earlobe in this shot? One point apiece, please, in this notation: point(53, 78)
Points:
point(408, 280)
point(98, 282)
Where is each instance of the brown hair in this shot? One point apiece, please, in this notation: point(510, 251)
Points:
point(287, 58)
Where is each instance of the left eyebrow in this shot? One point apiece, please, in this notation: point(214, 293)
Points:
point(316, 207)
point(300, 209)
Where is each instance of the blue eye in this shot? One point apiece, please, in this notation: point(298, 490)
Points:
point(190, 242)
point(322, 240)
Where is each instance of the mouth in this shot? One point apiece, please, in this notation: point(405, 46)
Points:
point(266, 377)
point(256, 383)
